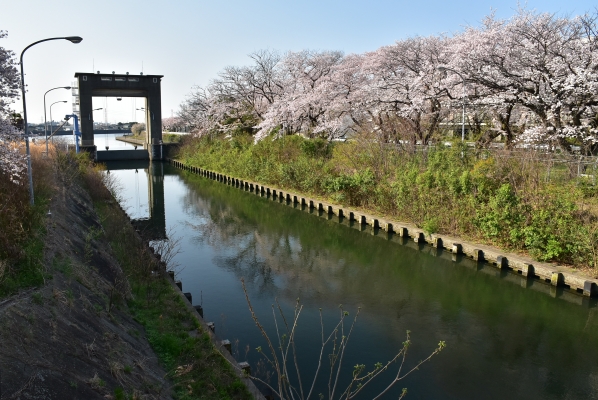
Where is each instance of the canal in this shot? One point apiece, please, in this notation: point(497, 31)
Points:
point(506, 336)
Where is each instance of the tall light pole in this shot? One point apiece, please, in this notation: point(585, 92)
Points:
point(45, 121)
point(72, 39)
point(95, 109)
point(441, 68)
point(52, 122)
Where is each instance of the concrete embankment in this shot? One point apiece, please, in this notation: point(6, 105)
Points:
point(555, 276)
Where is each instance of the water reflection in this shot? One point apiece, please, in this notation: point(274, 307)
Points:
point(152, 226)
point(506, 336)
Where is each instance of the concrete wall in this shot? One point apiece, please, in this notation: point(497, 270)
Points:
point(119, 155)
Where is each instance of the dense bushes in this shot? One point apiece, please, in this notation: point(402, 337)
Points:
point(497, 198)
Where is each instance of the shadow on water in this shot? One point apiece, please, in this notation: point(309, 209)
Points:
point(506, 336)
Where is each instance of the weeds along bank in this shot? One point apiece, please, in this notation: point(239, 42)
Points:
point(22, 224)
point(517, 201)
point(81, 313)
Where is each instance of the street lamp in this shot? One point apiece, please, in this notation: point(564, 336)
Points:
point(52, 123)
point(45, 121)
point(72, 39)
point(95, 109)
point(441, 68)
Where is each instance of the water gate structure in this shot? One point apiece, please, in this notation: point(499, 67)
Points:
point(88, 85)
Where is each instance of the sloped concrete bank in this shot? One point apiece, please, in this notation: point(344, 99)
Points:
point(572, 284)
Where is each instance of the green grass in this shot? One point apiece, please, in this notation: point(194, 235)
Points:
point(28, 271)
point(478, 195)
point(192, 363)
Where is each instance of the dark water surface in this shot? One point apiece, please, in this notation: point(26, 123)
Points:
point(506, 337)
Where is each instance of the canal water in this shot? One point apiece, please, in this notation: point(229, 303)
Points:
point(101, 140)
point(506, 337)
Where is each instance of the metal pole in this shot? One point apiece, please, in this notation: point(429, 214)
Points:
point(51, 123)
point(73, 39)
point(463, 116)
point(26, 132)
point(45, 120)
point(51, 126)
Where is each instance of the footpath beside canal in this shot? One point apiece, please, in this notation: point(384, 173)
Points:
point(554, 275)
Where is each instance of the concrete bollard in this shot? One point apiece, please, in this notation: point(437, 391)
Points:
point(419, 237)
point(226, 344)
point(438, 243)
point(189, 297)
point(456, 248)
point(374, 222)
point(389, 227)
point(340, 213)
point(478, 255)
point(557, 279)
point(311, 204)
point(329, 210)
point(527, 270)
point(245, 367)
point(402, 231)
point(171, 274)
point(179, 284)
point(589, 289)
point(211, 326)
point(502, 262)
point(199, 310)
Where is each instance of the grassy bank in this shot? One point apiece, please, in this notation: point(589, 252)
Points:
point(183, 347)
point(522, 202)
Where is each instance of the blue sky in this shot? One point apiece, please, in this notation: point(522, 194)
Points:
point(190, 41)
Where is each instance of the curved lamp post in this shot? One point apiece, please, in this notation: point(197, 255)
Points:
point(45, 121)
point(52, 122)
point(441, 68)
point(95, 109)
point(72, 39)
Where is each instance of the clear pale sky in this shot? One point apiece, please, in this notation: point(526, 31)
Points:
point(190, 41)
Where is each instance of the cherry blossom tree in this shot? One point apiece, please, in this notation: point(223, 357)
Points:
point(242, 95)
point(172, 123)
point(405, 92)
point(533, 77)
point(195, 110)
point(538, 67)
point(9, 77)
point(301, 106)
point(12, 161)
